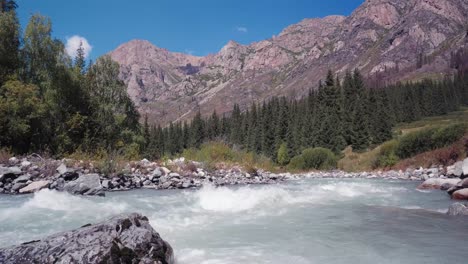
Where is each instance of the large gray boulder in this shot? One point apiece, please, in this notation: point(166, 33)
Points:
point(456, 169)
point(122, 239)
point(458, 209)
point(87, 184)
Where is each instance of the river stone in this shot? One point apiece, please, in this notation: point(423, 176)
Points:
point(121, 239)
point(35, 186)
point(436, 183)
point(456, 169)
point(62, 169)
point(460, 194)
point(17, 186)
point(458, 209)
point(164, 170)
point(22, 178)
point(465, 168)
point(105, 184)
point(25, 164)
point(87, 184)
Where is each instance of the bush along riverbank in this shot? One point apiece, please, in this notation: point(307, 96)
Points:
point(32, 173)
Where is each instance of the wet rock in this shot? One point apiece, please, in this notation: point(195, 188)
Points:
point(35, 186)
point(436, 183)
point(122, 239)
point(446, 186)
point(460, 194)
point(453, 189)
point(458, 209)
point(88, 184)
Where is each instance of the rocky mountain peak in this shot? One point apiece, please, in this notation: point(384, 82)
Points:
point(379, 37)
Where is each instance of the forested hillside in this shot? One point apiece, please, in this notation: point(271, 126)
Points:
point(340, 113)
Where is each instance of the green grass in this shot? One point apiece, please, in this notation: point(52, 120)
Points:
point(460, 116)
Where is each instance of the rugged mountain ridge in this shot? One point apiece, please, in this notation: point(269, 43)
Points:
point(409, 38)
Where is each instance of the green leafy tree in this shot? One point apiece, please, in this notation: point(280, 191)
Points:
point(9, 41)
point(283, 155)
point(20, 113)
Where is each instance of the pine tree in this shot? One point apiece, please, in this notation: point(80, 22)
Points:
point(80, 62)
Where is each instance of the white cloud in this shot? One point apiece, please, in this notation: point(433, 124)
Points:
point(73, 43)
point(242, 29)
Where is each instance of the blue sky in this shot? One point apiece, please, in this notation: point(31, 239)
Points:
point(198, 27)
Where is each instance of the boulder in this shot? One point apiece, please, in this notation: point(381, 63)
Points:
point(105, 184)
point(17, 186)
point(87, 184)
point(465, 168)
point(25, 164)
point(446, 186)
point(436, 183)
point(22, 178)
point(70, 175)
point(121, 239)
point(62, 169)
point(164, 170)
point(456, 169)
point(457, 209)
point(453, 189)
point(460, 194)
point(35, 186)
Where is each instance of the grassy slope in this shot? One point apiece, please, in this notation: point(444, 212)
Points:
point(363, 161)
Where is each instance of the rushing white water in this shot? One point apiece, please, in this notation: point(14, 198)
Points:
point(308, 221)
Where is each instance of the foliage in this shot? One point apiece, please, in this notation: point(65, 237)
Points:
point(314, 158)
point(50, 104)
point(428, 139)
point(283, 156)
point(387, 155)
point(214, 153)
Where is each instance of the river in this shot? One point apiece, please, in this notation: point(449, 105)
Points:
point(306, 221)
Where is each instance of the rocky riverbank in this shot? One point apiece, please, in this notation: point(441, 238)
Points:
point(31, 174)
point(121, 239)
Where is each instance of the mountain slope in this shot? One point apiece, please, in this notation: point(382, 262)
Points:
point(398, 39)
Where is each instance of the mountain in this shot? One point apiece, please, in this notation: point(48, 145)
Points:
point(388, 40)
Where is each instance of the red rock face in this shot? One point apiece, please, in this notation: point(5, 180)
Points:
point(380, 36)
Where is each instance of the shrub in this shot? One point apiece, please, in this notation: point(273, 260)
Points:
point(214, 153)
point(429, 139)
point(5, 155)
point(387, 156)
point(414, 143)
point(283, 156)
point(297, 163)
point(447, 135)
point(314, 158)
